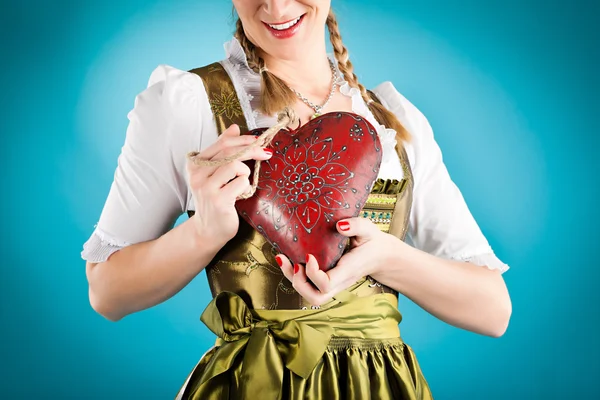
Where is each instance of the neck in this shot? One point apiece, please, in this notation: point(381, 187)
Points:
point(310, 73)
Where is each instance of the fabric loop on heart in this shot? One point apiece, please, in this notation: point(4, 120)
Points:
point(284, 118)
point(268, 340)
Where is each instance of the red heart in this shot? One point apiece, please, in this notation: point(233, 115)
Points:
point(319, 174)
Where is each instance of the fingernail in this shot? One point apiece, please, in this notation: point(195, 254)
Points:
point(296, 268)
point(344, 225)
point(307, 257)
point(268, 151)
point(278, 259)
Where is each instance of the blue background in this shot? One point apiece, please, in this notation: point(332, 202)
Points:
point(510, 88)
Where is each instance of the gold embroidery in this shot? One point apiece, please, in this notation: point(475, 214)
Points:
point(214, 68)
point(285, 289)
point(224, 103)
point(253, 264)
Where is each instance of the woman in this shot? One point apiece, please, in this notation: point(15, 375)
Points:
point(288, 331)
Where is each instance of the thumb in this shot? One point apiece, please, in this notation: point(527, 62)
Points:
point(362, 228)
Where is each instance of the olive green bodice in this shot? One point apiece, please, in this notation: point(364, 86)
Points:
point(246, 264)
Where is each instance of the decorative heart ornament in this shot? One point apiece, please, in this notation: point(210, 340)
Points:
point(319, 174)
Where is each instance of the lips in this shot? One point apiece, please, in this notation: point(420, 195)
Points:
point(285, 25)
point(286, 29)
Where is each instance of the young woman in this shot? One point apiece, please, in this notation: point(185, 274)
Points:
point(289, 331)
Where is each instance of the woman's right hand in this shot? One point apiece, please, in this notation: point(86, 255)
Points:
point(215, 189)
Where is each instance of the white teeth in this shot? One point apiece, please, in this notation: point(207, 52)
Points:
point(287, 25)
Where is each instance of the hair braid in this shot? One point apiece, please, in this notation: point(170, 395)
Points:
point(381, 114)
point(275, 95)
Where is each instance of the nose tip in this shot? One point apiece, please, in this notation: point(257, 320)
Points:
point(276, 8)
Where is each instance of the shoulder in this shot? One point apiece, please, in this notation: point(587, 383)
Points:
point(170, 118)
point(411, 118)
point(178, 92)
point(178, 97)
point(397, 103)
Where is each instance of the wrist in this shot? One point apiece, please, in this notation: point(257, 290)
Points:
point(205, 240)
point(396, 260)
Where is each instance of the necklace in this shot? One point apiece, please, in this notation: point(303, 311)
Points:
point(319, 108)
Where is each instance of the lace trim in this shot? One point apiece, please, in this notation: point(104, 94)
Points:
point(247, 83)
point(488, 260)
point(242, 89)
point(100, 246)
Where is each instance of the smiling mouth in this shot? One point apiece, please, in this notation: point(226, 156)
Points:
point(286, 25)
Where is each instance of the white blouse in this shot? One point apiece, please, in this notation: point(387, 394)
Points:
point(172, 117)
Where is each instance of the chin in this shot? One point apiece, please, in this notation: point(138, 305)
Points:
point(286, 51)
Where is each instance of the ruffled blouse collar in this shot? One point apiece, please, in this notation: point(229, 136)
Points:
point(250, 81)
point(235, 53)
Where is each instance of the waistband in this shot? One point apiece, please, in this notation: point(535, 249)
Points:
point(296, 339)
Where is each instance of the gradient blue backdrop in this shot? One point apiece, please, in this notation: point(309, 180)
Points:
point(510, 88)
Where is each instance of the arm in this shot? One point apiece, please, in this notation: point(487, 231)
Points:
point(460, 293)
point(145, 274)
point(135, 258)
point(451, 271)
point(457, 292)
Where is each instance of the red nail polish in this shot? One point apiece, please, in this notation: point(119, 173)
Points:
point(307, 257)
point(278, 259)
point(267, 150)
point(296, 268)
point(344, 225)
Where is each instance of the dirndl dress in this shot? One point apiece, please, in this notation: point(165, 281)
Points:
point(271, 344)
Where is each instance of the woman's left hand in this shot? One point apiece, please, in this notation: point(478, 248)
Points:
point(371, 249)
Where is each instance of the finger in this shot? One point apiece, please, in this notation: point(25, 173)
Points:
point(230, 137)
point(254, 153)
point(286, 266)
point(316, 275)
point(361, 228)
point(226, 173)
point(347, 271)
point(197, 176)
point(232, 130)
point(305, 288)
point(236, 188)
point(225, 141)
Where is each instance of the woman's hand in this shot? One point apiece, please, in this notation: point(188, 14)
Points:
point(215, 189)
point(371, 250)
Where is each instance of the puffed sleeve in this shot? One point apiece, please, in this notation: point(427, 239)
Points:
point(440, 221)
point(149, 191)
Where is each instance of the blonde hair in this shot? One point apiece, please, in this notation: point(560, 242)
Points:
point(276, 95)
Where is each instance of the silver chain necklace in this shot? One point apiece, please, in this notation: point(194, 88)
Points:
point(319, 108)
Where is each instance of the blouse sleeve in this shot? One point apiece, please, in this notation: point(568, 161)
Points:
point(149, 191)
point(440, 221)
